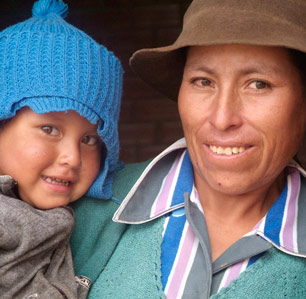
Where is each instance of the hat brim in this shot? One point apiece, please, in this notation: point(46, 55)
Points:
point(162, 67)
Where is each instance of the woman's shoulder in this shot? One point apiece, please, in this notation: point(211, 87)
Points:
point(95, 235)
point(126, 177)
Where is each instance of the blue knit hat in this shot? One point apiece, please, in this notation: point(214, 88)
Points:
point(50, 65)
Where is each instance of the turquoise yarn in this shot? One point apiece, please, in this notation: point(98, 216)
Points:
point(49, 65)
point(45, 7)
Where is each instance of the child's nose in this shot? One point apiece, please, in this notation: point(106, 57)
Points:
point(70, 155)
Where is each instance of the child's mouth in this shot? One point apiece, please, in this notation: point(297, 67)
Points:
point(56, 181)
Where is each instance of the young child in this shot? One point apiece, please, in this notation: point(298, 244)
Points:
point(59, 106)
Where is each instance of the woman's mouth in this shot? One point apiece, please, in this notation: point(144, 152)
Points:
point(228, 151)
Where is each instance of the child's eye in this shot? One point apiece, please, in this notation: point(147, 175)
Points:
point(51, 130)
point(90, 140)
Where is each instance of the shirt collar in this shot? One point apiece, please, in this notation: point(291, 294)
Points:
point(284, 224)
point(144, 201)
point(161, 187)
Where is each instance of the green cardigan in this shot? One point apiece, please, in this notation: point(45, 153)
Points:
point(95, 235)
point(131, 267)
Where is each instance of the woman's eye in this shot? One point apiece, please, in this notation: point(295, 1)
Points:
point(50, 130)
point(259, 85)
point(202, 82)
point(90, 140)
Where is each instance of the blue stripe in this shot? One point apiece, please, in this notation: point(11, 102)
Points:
point(174, 229)
point(184, 181)
point(169, 248)
point(255, 258)
point(275, 216)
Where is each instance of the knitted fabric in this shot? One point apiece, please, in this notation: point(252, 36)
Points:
point(133, 271)
point(50, 65)
point(95, 235)
point(276, 275)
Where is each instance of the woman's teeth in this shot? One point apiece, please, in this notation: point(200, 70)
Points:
point(56, 181)
point(227, 150)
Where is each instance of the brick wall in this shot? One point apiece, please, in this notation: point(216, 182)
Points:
point(148, 121)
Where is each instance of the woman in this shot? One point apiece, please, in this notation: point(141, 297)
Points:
point(220, 213)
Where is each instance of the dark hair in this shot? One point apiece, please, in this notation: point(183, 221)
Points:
point(298, 59)
point(3, 122)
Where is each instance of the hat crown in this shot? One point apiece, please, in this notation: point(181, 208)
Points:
point(44, 8)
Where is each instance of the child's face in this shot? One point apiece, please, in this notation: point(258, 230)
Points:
point(54, 157)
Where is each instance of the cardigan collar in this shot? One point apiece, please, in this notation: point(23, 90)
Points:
point(161, 187)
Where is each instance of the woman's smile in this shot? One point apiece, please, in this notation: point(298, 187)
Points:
point(228, 151)
point(230, 157)
point(239, 105)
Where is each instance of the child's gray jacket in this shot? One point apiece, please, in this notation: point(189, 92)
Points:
point(35, 257)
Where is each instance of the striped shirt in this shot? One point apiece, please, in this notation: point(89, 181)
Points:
point(186, 257)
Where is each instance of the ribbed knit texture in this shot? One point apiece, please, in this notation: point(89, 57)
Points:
point(95, 235)
point(96, 238)
point(49, 65)
point(133, 271)
point(276, 275)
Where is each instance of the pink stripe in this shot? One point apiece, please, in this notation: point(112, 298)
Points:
point(288, 232)
point(258, 224)
point(234, 272)
point(161, 201)
point(183, 257)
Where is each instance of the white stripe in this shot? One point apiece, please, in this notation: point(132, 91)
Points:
point(294, 229)
point(174, 181)
point(294, 164)
point(194, 197)
point(261, 227)
point(189, 266)
point(295, 242)
point(224, 282)
point(224, 278)
point(182, 240)
point(153, 208)
point(165, 225)
point(244, 265)
point(281, 234)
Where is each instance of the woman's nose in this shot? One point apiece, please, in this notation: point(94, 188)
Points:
point(225, 110)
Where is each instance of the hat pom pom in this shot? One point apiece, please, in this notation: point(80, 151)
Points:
point(43, 8)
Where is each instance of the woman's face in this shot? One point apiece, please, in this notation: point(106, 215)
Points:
point(243, 113)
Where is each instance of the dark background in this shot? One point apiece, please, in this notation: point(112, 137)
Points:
point(149, 122)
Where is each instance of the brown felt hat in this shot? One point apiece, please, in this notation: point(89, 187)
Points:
point(212, 22)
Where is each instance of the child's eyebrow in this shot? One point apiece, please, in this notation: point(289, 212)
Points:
point(51, 117)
